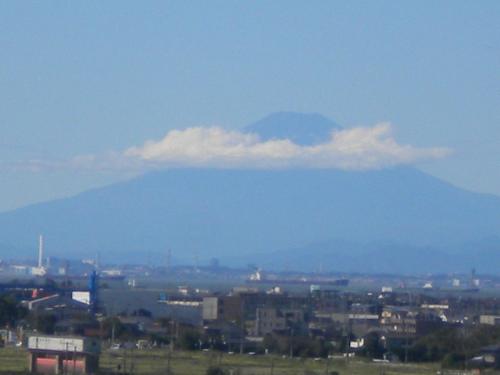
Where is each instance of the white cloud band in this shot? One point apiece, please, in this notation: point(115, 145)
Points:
point(356, 148)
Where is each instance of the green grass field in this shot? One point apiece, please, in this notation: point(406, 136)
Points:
point(196, 363)
point(12, 360)
point(149, 362)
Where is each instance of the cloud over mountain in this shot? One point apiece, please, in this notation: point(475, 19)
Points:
point(282, 140)
point(353, 149)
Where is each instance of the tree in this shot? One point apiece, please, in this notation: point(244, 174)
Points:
point(271, 343)
point(453, 360)
point(10, 311)
point(189, 339)
point(44, 323)
point(372, 347)
point(112, 326)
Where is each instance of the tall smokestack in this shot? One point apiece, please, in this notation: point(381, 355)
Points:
point(40, 251)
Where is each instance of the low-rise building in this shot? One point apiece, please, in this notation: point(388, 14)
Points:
point(492, 320)
point(275, 320)
point(61, 306)
point(63, 355)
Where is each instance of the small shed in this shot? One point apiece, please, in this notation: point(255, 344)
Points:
point(63, 355)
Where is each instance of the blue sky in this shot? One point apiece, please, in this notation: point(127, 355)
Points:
point(88, 78)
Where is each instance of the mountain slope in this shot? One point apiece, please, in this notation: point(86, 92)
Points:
point(220, 213)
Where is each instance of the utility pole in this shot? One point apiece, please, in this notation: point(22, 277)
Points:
point(66, 360)
point(242, 333)
point(113, 332)
point(74, 360)
point(464, 343)
point(406, 333)
point(173, 333)
point(132, 362)
point(349, 335)
point(169, 355)
point(124, 368)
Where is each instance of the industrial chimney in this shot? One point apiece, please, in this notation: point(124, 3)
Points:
point(40, 251)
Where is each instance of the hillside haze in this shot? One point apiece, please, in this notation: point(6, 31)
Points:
point(263, 216)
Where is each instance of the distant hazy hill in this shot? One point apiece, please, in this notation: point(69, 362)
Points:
point(220, 213)
point(384, 257)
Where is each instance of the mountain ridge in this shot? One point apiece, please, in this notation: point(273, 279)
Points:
point(209, 213)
